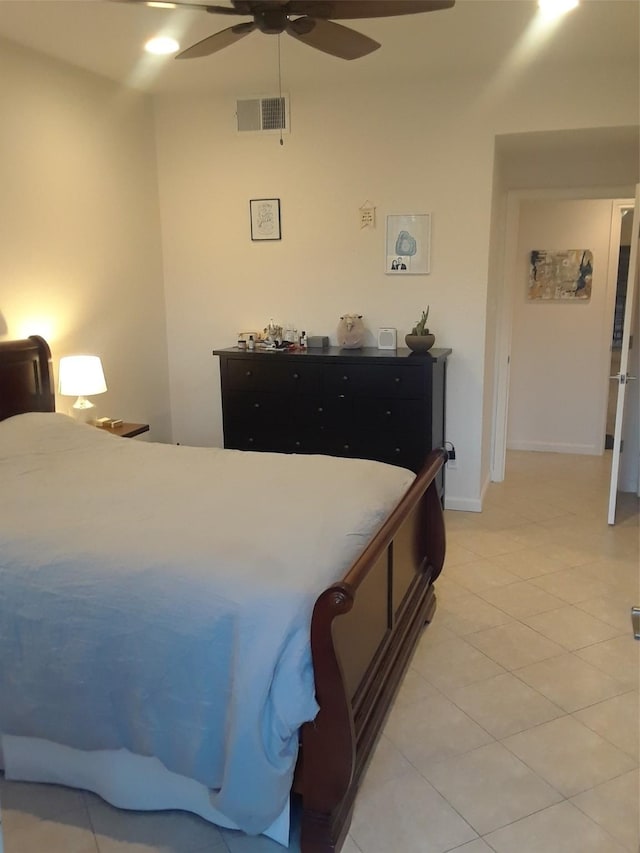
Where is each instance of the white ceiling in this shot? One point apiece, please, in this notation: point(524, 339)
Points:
point(107, 37)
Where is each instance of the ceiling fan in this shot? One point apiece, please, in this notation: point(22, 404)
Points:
point(309, 21)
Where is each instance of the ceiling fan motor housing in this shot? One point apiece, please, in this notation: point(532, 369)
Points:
point(271, 21)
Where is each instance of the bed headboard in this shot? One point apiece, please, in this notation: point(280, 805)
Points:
point(26, 377)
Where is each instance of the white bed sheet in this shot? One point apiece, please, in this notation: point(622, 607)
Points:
point(157, 599)
point(120, 777)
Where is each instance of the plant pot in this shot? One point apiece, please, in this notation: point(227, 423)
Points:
point(420, 343)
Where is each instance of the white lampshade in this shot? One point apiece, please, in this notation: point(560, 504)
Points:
point(81, 376)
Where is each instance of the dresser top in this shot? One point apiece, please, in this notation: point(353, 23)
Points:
point(434, 354)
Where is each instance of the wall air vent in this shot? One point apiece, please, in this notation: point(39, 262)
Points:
point(263, 115)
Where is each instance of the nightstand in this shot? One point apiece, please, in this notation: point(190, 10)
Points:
point(125, 430)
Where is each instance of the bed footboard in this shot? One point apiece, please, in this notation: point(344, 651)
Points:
point(363, 633)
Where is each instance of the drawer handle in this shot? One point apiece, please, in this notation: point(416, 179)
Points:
point(256, 405)
point(345, 378)
point(297, 444)
point(397, 450)
point(248, 373)
point(320, 409)
point(250, 441)
point(296, 376)
point(388, 413)
point(397, 379)
point(345, 447)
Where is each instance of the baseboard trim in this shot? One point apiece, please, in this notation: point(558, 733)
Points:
point(463, 504)
point(555, 447)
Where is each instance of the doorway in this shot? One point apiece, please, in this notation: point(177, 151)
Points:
point(570, 343)
point(585, 162)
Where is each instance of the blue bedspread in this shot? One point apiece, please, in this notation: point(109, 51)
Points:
point(158, 598)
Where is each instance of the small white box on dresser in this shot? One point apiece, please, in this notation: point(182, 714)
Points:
point(387, 338)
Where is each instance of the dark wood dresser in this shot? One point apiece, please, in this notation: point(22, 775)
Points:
point(368, 403)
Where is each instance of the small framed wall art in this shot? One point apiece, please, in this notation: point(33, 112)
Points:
point(408, 244)
point(265, 219)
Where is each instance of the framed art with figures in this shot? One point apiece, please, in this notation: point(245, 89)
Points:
point(408, 244)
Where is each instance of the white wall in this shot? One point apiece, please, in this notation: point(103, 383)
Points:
point(560, 351)
point(80, 258)
point(344, 149)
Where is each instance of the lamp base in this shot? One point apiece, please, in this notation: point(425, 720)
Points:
point(84, 411)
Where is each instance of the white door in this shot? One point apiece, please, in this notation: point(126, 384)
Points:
point(628, 395)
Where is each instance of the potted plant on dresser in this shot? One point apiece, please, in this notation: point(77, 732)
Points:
point(420, 338)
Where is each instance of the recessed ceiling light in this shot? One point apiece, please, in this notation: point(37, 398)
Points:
point(162, 46)
point(160, 5)
point(555, 8)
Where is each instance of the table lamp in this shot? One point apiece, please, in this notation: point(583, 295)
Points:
point(81, 376)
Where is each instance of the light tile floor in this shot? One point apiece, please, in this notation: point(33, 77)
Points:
point(516, 728)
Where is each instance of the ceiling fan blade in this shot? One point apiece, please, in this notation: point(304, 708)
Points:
point(217, 41)
point(237, 9)
point(249, 7)
point(335, 39)
point(345, 9)
point(172, 4)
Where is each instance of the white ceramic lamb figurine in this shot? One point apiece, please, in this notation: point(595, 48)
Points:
point(351, 331)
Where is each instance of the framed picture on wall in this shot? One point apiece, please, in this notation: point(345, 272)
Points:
point(408, 244)
point(265, 218)
point(560, 276)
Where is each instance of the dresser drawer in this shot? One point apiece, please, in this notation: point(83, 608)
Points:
point(246, 407)
point(253, 437)
point(304, 440)
point(288, 439)
point(402, 448)
point(279, 377)
point(345, 443)
point(329, 410)
point(383, 380)
point(390, 413)
point(271, 411)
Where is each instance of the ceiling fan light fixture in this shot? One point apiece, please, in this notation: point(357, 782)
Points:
point(555, 8)
point(162, 46)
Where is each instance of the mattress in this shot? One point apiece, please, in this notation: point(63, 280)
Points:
point(157, 599)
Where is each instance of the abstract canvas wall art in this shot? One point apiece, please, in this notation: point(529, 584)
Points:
point(562, 276)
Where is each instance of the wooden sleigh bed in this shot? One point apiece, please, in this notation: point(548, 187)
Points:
point(364, 628)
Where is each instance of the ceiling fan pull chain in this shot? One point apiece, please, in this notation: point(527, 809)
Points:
point(280, 88)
